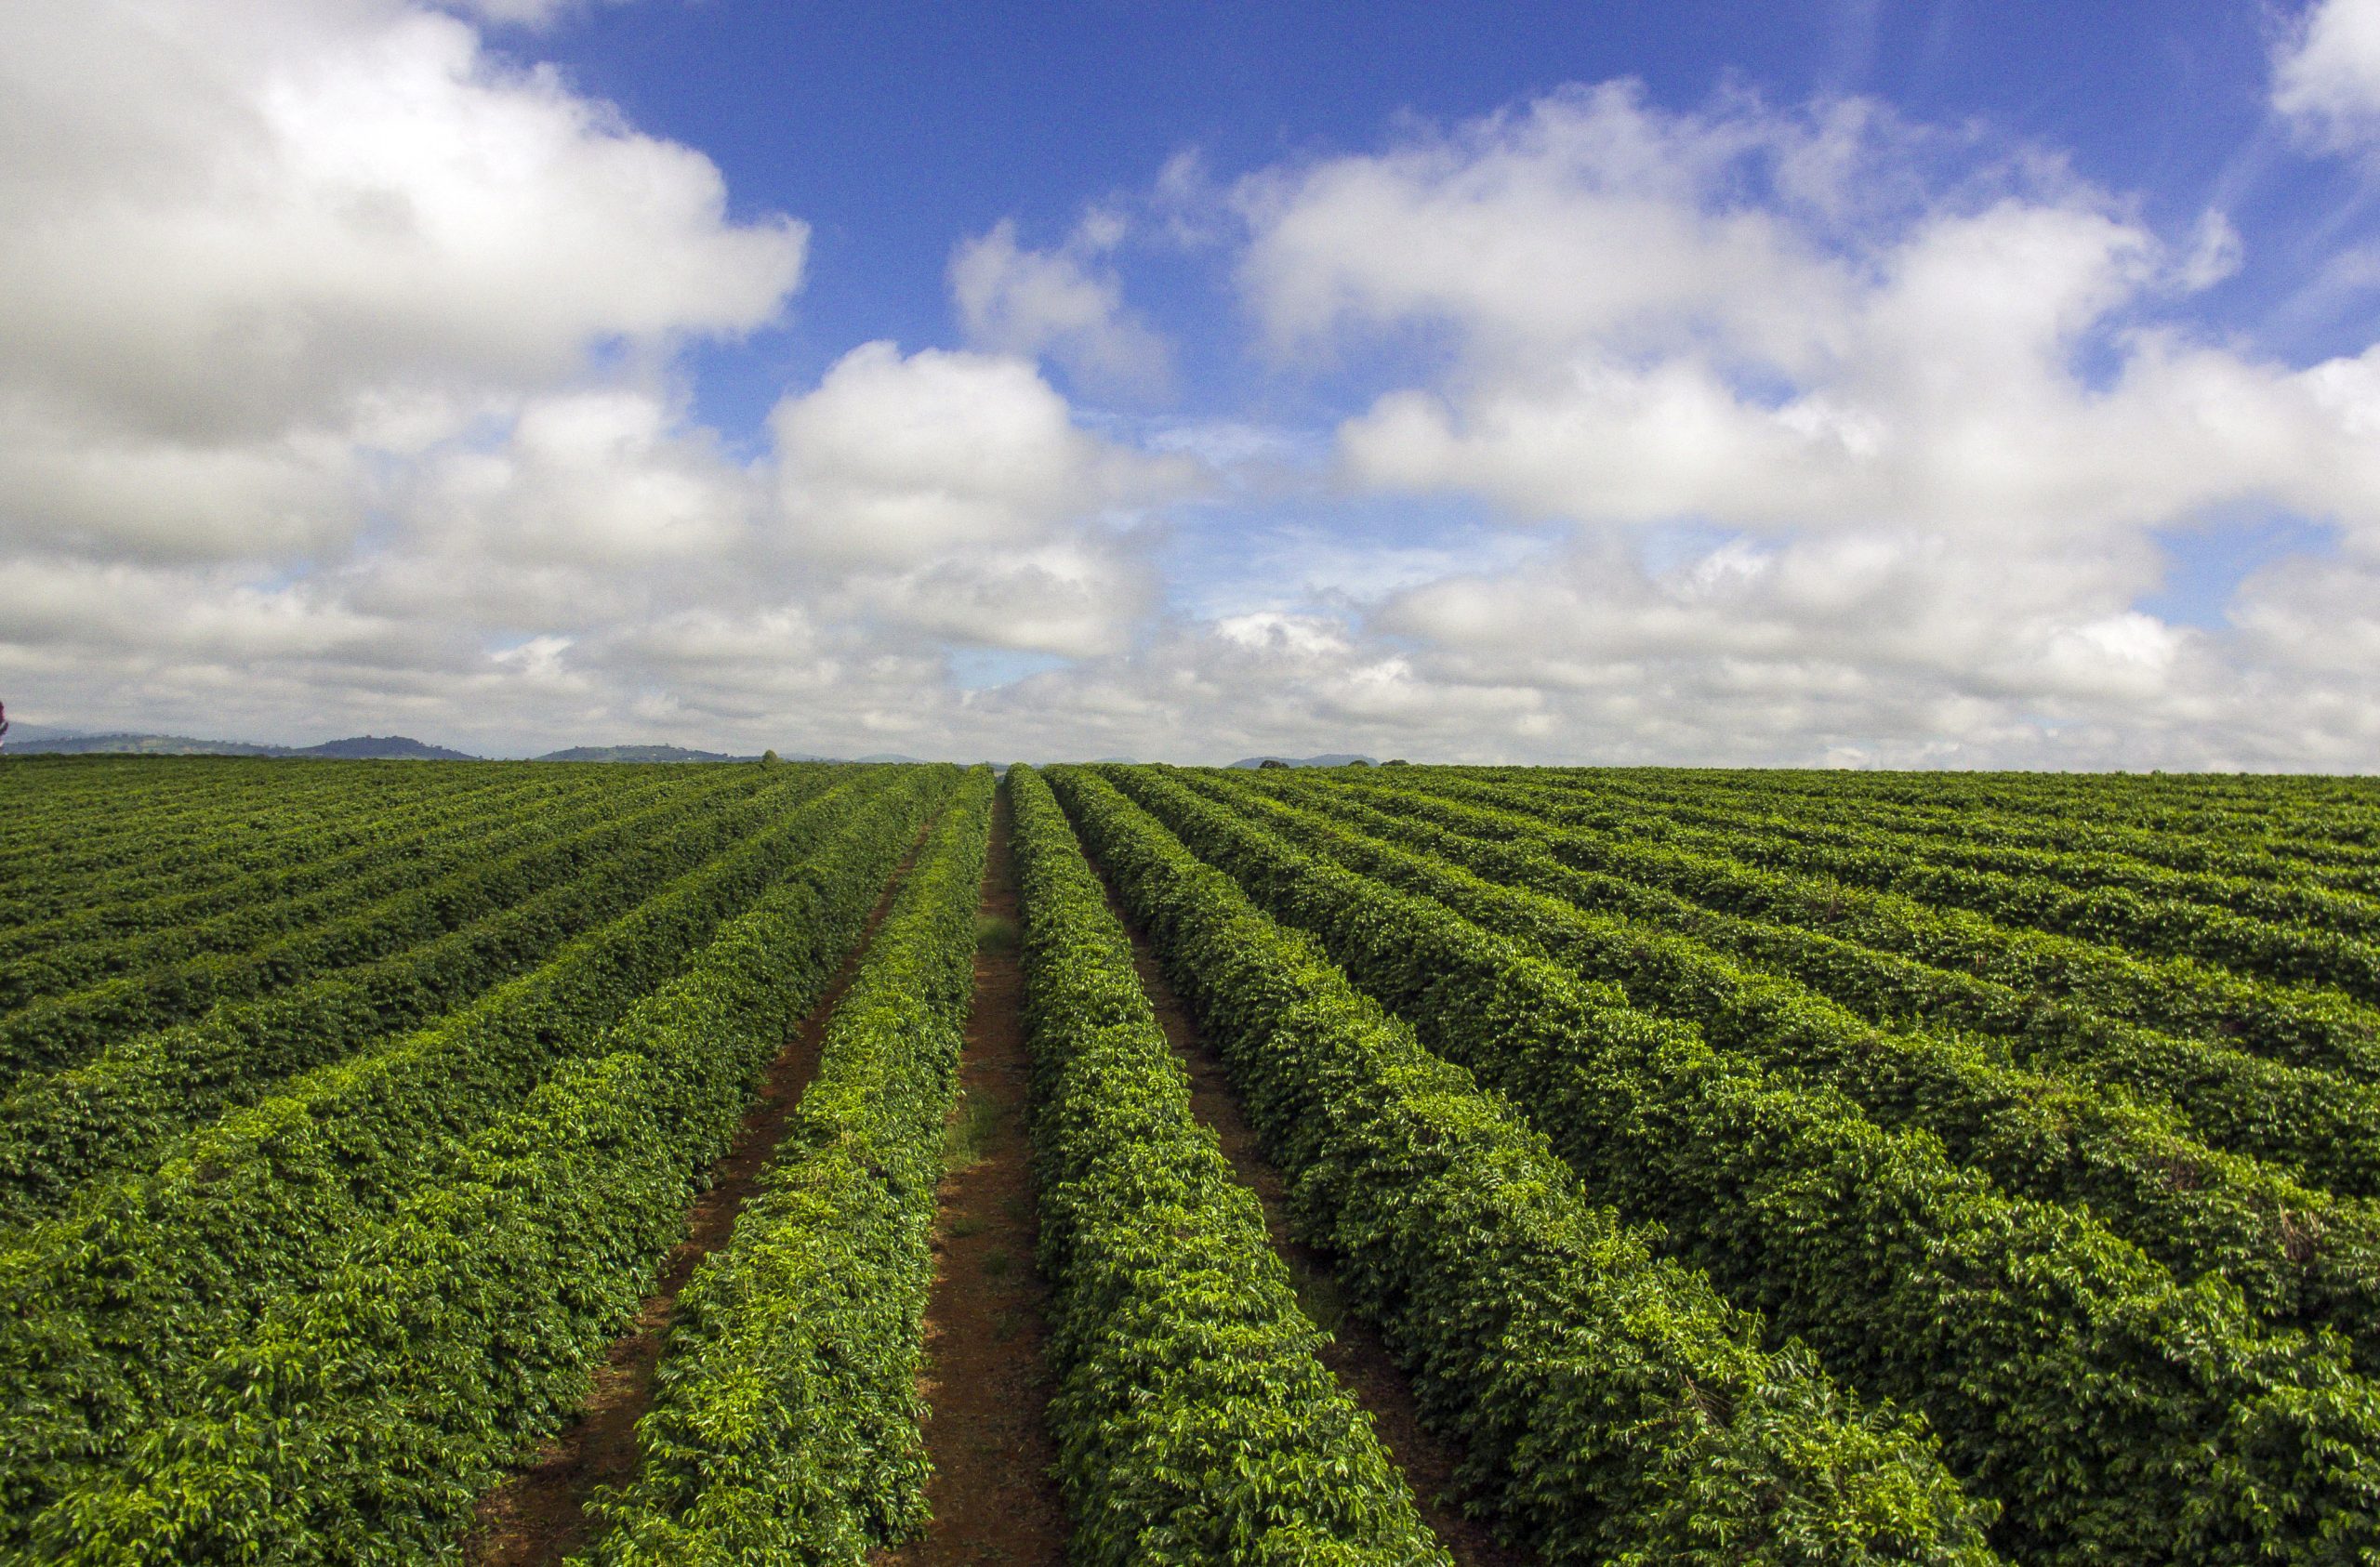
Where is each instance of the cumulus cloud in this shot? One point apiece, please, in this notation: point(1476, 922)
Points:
point(952, 495)
point(526, 13)
point(894, 459)
point(1578, 216)
point(346, 389)
point(608, 476)
point(256, 240)
point(337, 382)
point(2326, 74)
point(1065, 303)
point(1874, 609)
point(1641, 341)
point(1929, 413)
point(66, 482)
point(1080, 597)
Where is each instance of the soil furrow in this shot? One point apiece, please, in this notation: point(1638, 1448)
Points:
point(1354, 1352)
point(988, 1380)
point(538, 1516)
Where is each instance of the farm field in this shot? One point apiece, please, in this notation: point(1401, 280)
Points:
point(507, 1163)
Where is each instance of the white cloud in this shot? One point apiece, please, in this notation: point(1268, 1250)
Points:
point(244, 235)
point(1063, 303)
point(2214, 254)
point(1736, 361)
point(893, 460)
point(2326, 75)
point(1576, 216)
point(1078, 598)
point(126, 615)
point(611, 476)
point(66, 482)
point(339, 390)
point(534, 14)
point(345, 392)
point(1927, 410)
point(1881, 604)
point(393, 435)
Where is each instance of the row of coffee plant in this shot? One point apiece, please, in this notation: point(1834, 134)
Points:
point(786, 1430)
point(316, 886)
point(118, 1108)
point(2321, 1125)
point(312, 855)
point(2292, 950)
point(243, 824)
point(2228, 844)
point(1609, 1404)
point(1193, 1421)
point(161, 1308)
point(2314, 1028)
point(360, 1420)
point(2115, 1413)
point(2289, 876)
point(2040, 1137)
point(2283, 811)
point(141, 983)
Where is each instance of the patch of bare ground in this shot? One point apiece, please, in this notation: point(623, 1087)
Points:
point(988, 1380)
point(538, 1516)
point(1354, 1352)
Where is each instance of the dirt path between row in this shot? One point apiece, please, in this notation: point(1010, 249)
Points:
point(988, 1380)
point(538, 1516)
point(1354, 1352)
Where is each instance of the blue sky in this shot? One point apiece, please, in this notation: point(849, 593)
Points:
point(1849, 383)
point(896, 130)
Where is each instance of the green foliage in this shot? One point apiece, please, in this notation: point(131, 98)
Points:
point(360, 1420)
point(1610, 1405)
point(313, 855)
point(215, 822)
point(785, 1429)
point(350, 1109)
point(2296, 873)
point(2119, 1416)
point(1194, 1422)
point(121, 1107)
point(2299, 816)
point(250, 911)
point(2319, 1030)
point(2056, 892)
point(2136, 1165)
point(134, 1292)
point(58, 1029)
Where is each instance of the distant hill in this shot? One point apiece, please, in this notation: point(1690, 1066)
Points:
point(382, 748)
point(649, 754)
point(362, 748)
point(44, 740)
point(888, 756)
point(21, 733)
point(136, 745)
point(1336, 759)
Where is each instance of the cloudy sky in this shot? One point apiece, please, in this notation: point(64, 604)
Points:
point(1882, 382)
